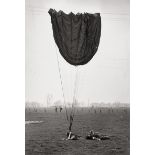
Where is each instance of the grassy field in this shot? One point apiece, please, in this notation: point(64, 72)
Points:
point(45, 138)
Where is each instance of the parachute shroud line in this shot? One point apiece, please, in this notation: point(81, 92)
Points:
point(62, 88)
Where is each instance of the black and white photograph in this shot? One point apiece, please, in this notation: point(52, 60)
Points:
point(77, 77)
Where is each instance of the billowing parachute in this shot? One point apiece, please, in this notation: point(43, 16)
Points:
point(76, 35)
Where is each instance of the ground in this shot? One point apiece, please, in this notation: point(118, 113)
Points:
point(46, 138)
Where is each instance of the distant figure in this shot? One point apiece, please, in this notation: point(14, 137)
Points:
point(56, 109)
point(60, 109)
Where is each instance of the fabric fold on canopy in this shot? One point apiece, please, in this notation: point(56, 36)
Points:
point(76, 35)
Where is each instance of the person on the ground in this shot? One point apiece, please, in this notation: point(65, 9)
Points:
point(96, 136)
point(92, 136)
point(71, 136)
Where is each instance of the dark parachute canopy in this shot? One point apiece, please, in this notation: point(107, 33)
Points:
point(76, 35)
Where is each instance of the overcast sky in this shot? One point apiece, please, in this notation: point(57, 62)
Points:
point(105, 78)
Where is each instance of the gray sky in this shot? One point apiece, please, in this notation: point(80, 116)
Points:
point(104, 78)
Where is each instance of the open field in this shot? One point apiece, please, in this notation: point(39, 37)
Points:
point(45, 137)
